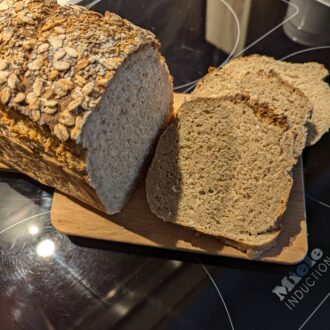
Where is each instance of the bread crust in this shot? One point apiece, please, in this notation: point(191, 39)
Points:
point(33, 158)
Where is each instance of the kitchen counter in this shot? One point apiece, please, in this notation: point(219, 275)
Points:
point(52, 281)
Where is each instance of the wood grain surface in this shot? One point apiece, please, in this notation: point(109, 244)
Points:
point(137, 225)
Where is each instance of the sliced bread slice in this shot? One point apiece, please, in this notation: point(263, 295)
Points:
point(264, 88)
point(222, 168)
point(308, 77)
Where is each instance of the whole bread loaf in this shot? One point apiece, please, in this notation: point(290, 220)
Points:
point(82, 99)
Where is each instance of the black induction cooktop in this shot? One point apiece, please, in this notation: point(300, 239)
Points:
point(52, 281)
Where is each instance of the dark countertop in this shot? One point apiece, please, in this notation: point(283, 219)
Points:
point(51, 281)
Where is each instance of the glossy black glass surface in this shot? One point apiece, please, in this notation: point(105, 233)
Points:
point(51, 281)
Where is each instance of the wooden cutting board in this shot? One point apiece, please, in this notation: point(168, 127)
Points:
point(137, 225)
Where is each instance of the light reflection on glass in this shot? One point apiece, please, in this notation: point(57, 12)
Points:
point(45, 248)
point(34, 230)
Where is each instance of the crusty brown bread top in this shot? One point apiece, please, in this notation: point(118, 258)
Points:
point(264, 88)
point(64, 58)
point(19, 25)
point(308, 77)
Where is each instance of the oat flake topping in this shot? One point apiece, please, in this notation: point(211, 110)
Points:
point(56, 61)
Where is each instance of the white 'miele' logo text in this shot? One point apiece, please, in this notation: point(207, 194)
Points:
point(298, 283)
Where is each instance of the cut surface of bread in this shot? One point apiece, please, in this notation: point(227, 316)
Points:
point(263, 88)
point(308, 77)
point(118, 144)
point(223, 169)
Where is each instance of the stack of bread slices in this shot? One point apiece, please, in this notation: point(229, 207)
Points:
point(223, 167)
